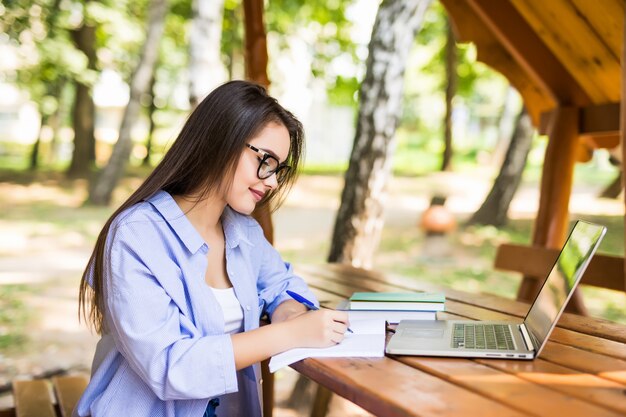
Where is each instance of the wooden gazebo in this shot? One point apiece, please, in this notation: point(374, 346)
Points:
point(563, 56)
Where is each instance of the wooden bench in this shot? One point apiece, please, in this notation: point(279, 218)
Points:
point(534, 263)
point(55, 397)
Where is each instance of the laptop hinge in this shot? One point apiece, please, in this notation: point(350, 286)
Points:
point(526, 337)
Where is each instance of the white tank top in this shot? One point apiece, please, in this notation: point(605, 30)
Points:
point(233, 313)
point(234, 403)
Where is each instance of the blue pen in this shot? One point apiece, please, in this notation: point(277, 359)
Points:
point(306, 302)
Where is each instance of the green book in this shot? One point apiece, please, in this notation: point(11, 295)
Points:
point(397, 301)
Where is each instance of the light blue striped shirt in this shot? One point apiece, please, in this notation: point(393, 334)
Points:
point(165, 352)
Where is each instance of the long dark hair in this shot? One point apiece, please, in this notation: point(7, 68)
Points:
point(200, 161)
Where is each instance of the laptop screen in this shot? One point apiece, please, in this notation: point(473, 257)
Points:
point(562, 279)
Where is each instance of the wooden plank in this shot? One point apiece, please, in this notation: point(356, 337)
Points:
point(469, 28)
point(10, 412)
point(590, 343)
point(602, 366)
point(606, 19)
point(389, 388)
point(68, 390)
point(507, 388)
point(32, 399)
point(585, 386)
point(351, 275)
point(607, 141)
point(576, 45)
point(529, 51)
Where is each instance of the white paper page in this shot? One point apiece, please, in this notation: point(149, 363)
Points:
point(368, 340)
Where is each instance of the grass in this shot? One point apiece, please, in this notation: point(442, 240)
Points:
point(13, 317)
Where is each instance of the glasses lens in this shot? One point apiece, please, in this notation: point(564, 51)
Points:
point(267, 166)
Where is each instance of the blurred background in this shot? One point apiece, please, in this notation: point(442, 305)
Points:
point(92, 93)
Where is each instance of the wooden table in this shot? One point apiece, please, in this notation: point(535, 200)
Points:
point(581, 371)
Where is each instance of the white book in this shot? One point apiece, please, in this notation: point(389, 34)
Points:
point(368, 340)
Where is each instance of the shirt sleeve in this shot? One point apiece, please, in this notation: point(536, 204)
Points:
point(161, 344)
point(276, 276)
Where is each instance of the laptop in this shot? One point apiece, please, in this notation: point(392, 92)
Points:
point(505, 339)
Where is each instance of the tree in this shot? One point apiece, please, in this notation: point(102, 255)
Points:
point(151, 109)
point(494, 209)
point(321, 24)
point(451, 78)
point(360, 217)
point(102, 189)
point(84, 110)
point(206, 70)
point(47, 58)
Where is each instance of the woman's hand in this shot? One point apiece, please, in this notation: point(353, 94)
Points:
point(288, 310)
point(319, 328)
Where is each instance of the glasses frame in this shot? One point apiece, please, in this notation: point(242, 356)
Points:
point(281, 170)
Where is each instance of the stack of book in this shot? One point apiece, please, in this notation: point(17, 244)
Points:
point(394, 306)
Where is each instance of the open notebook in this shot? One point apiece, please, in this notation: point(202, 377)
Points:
point(368, 340)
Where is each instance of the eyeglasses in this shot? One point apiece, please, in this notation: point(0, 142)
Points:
point(268, 165)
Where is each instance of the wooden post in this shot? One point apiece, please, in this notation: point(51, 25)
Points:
point(256, 42)
point(622, 124)
point(256, 70)
point(552, 220)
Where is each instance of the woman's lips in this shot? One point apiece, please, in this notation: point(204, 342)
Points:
point(258, 195)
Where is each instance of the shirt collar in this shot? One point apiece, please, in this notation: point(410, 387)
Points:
point(232, 222)
point(171, 212)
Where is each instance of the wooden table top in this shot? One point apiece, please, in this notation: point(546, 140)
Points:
point(580, 372)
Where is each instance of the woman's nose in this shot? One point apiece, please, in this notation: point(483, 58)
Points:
point(271, 181)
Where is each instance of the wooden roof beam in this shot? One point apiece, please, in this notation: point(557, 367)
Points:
point(602, 122)
point(519, 39)
point(468, 27)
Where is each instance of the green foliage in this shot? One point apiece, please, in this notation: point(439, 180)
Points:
point(322, 24)
point(478, 101)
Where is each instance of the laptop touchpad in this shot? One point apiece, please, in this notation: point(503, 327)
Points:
point(423, 333)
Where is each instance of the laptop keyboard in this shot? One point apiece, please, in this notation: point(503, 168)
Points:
point(482, 336)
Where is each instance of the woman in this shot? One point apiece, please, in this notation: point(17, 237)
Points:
point(180, 273)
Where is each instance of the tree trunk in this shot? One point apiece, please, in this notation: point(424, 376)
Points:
point(451, 83)
point(102, 190)
point(83, 114)
point(495, 207)
point(151, 110)
point(34, 153)
point(206, 70)
point(360, 217)
point(56, 120)
point(506, 125)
